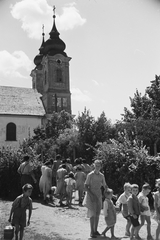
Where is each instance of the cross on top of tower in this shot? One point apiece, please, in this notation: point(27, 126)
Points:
point(54, 11)
point(42, 29)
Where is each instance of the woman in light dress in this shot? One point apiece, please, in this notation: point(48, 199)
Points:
point(45, 182)
point(93, 197)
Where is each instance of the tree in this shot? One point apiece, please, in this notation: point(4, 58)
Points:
point(68, 142)
point(144, 117)
point(58, 122)
point(104, 130)
point(127, 161)
point(154, 94)
point(140, 108)
point(86, 127)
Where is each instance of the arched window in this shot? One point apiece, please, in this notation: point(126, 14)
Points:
point(59, 75)
point(11, 132)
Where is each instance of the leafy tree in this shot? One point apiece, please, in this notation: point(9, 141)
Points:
point(68, 142)
point(58, 122)
point(104, 129)
point(154, 94)
point(127, 161)
point(140, 108)
point(86, 128)
point(144, 117)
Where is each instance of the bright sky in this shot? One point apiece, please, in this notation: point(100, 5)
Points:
point(114, 46)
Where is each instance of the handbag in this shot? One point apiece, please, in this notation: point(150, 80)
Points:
point(8, 232)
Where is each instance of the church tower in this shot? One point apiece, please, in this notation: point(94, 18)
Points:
point(51, 74)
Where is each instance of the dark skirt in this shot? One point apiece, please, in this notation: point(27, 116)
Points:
point(25, 178)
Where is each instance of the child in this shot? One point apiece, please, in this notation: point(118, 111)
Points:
point(157, 206)
point(123, 200)
point(18, 210)
point(134, 212)
point(145, 209)
point(50, 197)
point(109, 212)
point(80, 178)
point(70, 186)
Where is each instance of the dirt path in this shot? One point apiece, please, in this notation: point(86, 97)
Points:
point(59, 223)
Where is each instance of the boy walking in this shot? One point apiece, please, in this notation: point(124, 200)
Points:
point(123, 200)
point(18, 211)
point(145, 209)
point(134, 212)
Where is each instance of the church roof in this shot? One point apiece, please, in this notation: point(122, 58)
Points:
point(23, 101)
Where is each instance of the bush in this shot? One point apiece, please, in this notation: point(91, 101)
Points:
point(10, 186)
point(125, 161)
point(9, 178)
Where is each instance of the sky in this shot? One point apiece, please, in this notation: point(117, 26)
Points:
point(114, 46)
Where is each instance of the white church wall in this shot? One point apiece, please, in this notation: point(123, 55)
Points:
point(24, 128)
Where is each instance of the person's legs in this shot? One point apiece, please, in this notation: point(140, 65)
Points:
point(105, 230)
point(92, 220)
point(142, 217)
point(136, 231)
point(80, 196)
point(21, 233)
point(16, 231)
point(112, 231)
point(96, 223)
point(148, 220)
point(158, 231)
point(128, 225)
point(70, 198)
point(132, 232)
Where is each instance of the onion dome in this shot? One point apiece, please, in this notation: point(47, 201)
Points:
point(54, 44)
point(38, 58)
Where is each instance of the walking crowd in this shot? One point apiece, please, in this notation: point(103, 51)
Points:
point(59, 179)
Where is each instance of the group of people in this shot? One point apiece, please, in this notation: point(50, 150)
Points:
point(60, 179)
point(136, 209)
point(134, 205)
point(88, 180)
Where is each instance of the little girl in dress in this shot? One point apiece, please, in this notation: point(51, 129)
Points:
point(109, 212)
point(70, 186)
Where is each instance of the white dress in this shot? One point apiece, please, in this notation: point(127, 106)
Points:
point(45, 182)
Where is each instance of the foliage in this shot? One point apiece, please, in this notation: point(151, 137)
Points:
point(127, 161)
point(146, 106)
point(9, 178)
point(144, 117)
point(58, 123)
point(104, 129)
point(67, 142)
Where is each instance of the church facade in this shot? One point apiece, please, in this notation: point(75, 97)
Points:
point(24, 109)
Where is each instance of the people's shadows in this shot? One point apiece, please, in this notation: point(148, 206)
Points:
point(48, 204)
point(72, 207)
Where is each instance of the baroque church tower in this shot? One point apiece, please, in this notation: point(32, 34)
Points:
point(51, 74)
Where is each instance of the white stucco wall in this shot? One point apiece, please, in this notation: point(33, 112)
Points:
point(24, 126)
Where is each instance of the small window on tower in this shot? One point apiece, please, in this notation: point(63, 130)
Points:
point(64, 102)
point(59, 104)
point(59, 75)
